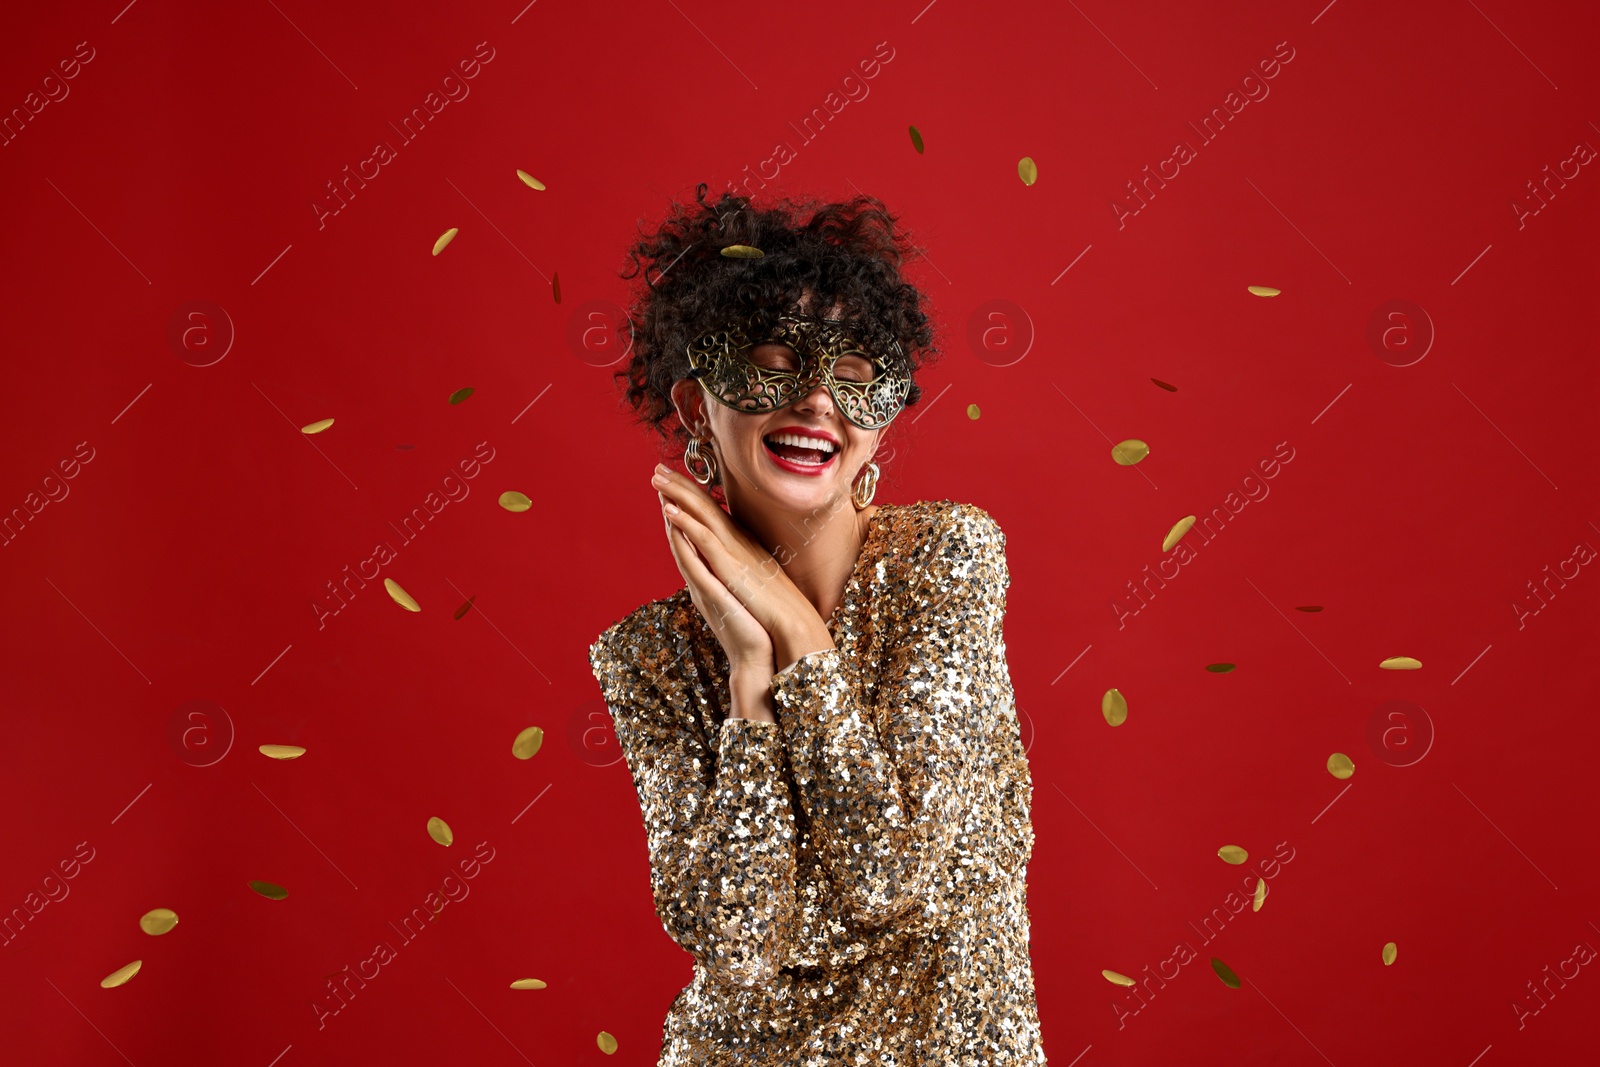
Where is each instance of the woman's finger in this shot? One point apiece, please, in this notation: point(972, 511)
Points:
point(736, 585)
point(714, 555)
point(689, 496)
point(710, 596)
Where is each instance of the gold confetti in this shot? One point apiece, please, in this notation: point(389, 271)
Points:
point(1219, 668)
point(1233, 854)
point(742, 252)
point(121, 975)
point(1264, 290)
point(464, 608)
point(1164, 385)
point(445, 238)
point(527, 983)
point(316, 427)
point(555, 285)
point(1129, 452)
point(1229, 979)
point(1027, 170)
point(270, 891)
point(1117, 979)
point(530, 181)
point(1341, 766)
point(460, 394)
point(512, 500)
point(972, 411)
point(1390, 951)
point(916, 140)
point(1114, 706)
point(158, 921)
point(400, 596)
point(282, 751)
point(1175, 534)
point(439, 830)
point(527, 743)
point(607, 1043)
point(1401, 663)
point(1261, 895)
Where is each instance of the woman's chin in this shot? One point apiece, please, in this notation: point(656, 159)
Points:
point(797, 492)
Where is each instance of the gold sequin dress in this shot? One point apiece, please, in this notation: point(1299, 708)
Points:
point(850, 880)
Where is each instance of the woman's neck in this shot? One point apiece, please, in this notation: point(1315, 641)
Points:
point(817, 550)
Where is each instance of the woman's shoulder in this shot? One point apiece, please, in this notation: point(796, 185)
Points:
point(649, 625)
point(933, 522)
point(940, 540)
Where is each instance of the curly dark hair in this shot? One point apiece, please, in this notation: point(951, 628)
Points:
point(847, 253)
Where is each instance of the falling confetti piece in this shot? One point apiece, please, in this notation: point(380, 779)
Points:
point(742, 252)
point(512, 500)
point(1229, 979)
point(1401, 663)
point(1264, 290)
point(1233, 854)
point(530, 181)
point(1390, 951)
point(282, 751)
point(972, 411)
point(439, 830)
point(1310, 607)
point(1114, 706)
point(607, 1043)
point(121, 975)
point(158, 921)
point(460, 394)
point(1261, 895)
point(463, 609)
point(1219, 668)
point(1117, 979)
point(316, 427)
point(1164, 385)
point(555, 285)
point(400, 596)
point(1027, 170)
point(527, 743)
point(1175, 534)
point(270, 891)
point(527, 983)
point(916, 140)
point(445, 238)
point(1341, 766)
point(1129, 452)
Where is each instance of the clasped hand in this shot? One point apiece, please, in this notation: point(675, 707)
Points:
point(736, 584)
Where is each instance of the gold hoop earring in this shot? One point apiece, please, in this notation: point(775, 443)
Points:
point(865, 486)
point(698, 458)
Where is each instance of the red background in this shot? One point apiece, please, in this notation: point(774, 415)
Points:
point(182, 561)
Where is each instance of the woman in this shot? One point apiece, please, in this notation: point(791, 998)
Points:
point(837, 811)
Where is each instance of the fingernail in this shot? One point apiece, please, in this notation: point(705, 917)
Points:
point(670, 509)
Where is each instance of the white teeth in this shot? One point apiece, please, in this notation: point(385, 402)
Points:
point(803, 442)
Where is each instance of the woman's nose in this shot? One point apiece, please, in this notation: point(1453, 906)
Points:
point(818, 399)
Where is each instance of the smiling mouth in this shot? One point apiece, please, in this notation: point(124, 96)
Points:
point(800, 455)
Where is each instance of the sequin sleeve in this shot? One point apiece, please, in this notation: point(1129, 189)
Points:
point(722, 841)
point(887, 812)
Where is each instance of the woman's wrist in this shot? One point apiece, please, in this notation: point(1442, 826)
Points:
point(800, 639)
point(750, 687)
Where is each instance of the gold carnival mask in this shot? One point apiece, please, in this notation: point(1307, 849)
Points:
point(869, 389)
